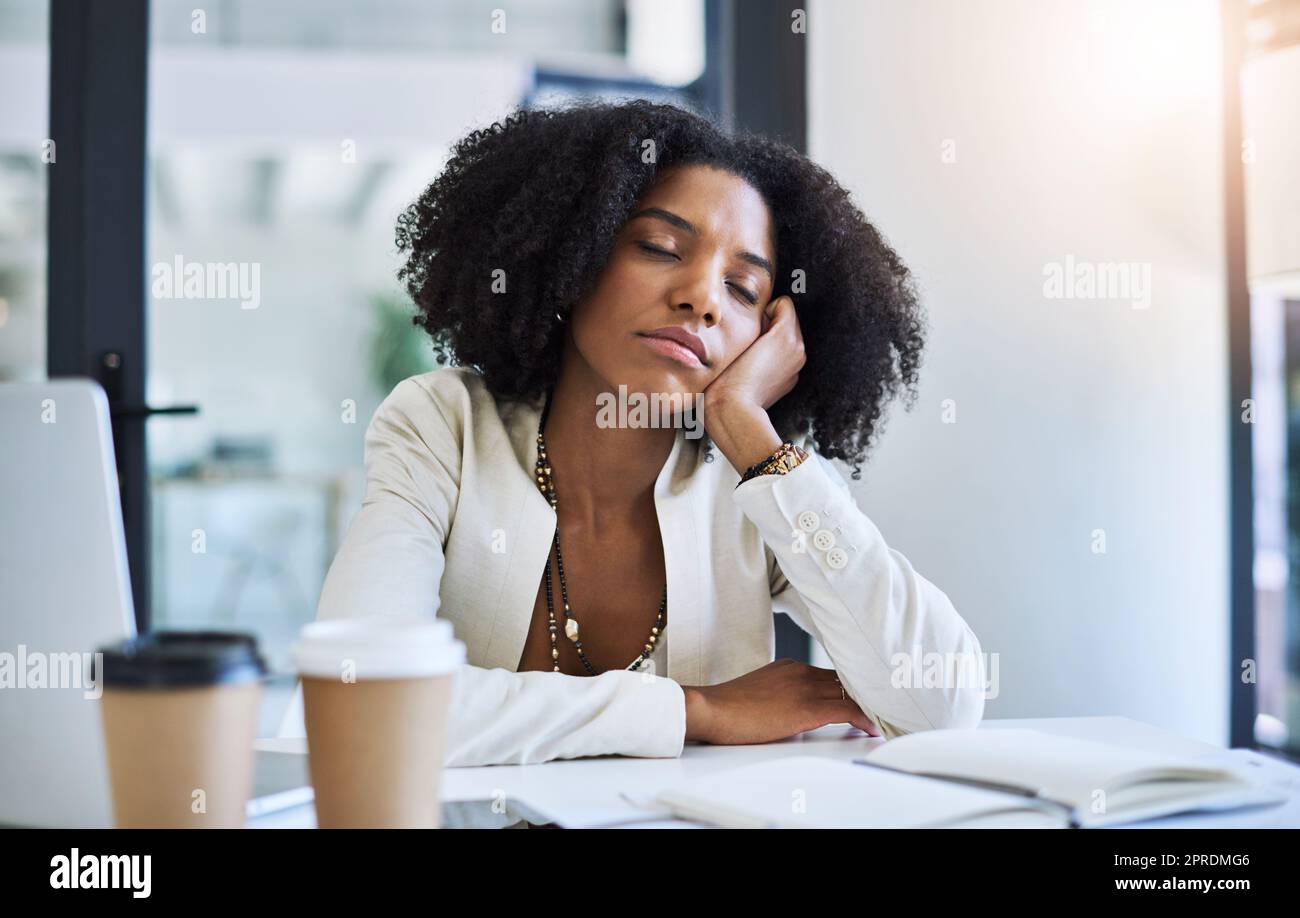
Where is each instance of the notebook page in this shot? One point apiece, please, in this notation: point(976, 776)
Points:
point(1055, 767)
point(816, 792)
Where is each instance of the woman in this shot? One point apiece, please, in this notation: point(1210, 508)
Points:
point(634, 252)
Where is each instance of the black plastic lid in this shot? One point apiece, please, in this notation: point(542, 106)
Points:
point(164, 659)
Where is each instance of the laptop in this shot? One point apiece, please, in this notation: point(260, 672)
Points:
point(65, 590)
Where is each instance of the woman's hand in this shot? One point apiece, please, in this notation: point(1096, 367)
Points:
point(769, 368)
point(774, 702)
point(736, 402)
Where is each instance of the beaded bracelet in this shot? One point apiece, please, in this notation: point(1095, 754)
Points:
point(787, 457)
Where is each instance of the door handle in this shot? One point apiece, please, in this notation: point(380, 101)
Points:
point(110, 377)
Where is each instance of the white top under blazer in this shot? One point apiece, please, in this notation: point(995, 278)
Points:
point(452, 524)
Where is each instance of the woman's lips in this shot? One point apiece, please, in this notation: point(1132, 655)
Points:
point(679, 352)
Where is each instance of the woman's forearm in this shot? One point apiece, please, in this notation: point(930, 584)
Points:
point(743, 432)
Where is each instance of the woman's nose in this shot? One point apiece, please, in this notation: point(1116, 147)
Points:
point(702, 295)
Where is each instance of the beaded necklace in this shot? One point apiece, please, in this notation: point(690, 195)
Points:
point(571, 630)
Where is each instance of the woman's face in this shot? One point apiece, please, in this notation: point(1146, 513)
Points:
point(696, 256)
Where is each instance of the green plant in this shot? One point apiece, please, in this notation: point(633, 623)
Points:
point(398, 347)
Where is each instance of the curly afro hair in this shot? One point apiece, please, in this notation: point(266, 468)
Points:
point(543, 193)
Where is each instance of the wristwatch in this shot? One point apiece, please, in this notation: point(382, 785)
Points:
point(787, 457)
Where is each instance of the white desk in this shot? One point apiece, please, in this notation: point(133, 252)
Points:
point(584, 793)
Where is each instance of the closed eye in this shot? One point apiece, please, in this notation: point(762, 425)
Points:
point(741, 292)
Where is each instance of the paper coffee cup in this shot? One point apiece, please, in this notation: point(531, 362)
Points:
point(376, 698)
point(179, 713)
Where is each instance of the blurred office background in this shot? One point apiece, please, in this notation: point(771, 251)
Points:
point(987, 139)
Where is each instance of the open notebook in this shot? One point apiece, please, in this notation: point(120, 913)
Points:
point(964, 778)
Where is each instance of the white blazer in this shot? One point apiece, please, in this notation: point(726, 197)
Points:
point(452, 524)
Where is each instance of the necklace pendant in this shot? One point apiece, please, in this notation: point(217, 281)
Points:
point(571, 629)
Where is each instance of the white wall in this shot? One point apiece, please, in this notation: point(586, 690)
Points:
point(1088, 129)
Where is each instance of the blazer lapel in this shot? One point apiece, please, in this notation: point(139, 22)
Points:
point(678, 503)
point(530, 535)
